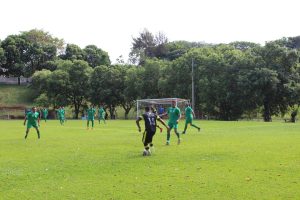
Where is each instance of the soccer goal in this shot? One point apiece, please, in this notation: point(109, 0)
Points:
point(160, 105)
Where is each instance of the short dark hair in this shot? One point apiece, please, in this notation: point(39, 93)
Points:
point(147, 109)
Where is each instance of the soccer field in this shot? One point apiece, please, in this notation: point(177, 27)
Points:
point(226, 160)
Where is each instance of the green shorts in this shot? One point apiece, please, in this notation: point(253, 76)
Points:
point(172, 125)
point(188, 120)
point(29, 125)
point(91, 119)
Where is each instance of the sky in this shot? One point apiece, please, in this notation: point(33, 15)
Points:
point(111, 24)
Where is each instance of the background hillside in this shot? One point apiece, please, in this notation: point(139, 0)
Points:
point(16, 95)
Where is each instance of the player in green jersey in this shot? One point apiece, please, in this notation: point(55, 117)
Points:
point(33, 120)
point(174, 117)
point(189, 114)
point(101, 114)
point(61, 115)
point(45, 114)
point(90, 116)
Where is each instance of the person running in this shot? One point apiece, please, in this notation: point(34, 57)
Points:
point(150, 129)
point(61, 115)
point(33, 120)
point(90, 116)
point(189, 114)
point(153, 109)
point(101, 114)
point(45, 114)
point(174, 117)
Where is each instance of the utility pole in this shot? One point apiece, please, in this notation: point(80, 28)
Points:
point(193, 93)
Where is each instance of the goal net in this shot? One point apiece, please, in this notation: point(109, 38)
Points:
point(161, 105)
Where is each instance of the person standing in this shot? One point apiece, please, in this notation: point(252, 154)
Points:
point(45, 114)
point(33, 120)
point(101, 114)
point(61, 115)
point(90, 116)
point(174, 115)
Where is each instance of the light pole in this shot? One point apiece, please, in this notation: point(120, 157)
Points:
point(193, 93)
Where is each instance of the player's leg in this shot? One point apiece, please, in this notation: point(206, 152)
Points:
point(99, 120)
point(193, 125)
point(87, 124)
point(169, 133)
point(185, 127)
point(177, 133)
point(146, 144)
point(37, 131)
point(92, 123)
point(151, 143)
point(103, 119)
point(27, 131)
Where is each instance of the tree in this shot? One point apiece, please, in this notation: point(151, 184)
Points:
point(73, 52)
point(68, 85)
point(2, 58)
point(146, 45)
point(95, 56)
point(40, 47)
point(14, 47)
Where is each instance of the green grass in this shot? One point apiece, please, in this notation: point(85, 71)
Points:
point(15, 95)
point(226, 160)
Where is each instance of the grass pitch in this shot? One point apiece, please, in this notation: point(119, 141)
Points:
point(226, 160)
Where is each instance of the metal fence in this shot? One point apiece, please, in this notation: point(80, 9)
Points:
point(14, 80)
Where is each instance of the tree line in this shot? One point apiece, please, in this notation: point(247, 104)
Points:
point(232, 81)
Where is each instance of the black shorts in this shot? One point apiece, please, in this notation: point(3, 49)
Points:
point(147, 137)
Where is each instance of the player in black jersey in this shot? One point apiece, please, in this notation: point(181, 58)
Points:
point(150, 128)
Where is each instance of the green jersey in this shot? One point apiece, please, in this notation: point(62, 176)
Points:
point(188, 112)
point(32, 118)
point(61, 113)
point(101, 113)
point(45, 112)
point(91, 113)
point(173, 114)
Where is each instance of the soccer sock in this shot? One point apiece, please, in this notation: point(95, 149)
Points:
point(177, 134)
point(195, 126)
point(38, 133)
point(88, 123)
point(92, 123)
point(26, 134)
point(185, 127)
point(168, 136)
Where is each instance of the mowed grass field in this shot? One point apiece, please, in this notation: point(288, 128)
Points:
point(226, 160)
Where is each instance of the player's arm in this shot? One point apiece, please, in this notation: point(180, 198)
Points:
point(38, 120)
point(193, 113)
point(163, 122)
point(25, 119)
point(179, 116)
point(138, 123)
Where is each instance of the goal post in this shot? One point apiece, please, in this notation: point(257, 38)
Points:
point(163, 103)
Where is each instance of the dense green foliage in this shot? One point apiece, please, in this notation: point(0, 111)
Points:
point(231, 80)
point(227, 160)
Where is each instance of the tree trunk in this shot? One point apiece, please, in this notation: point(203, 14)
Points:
point(267, 112)
point(19, 81)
